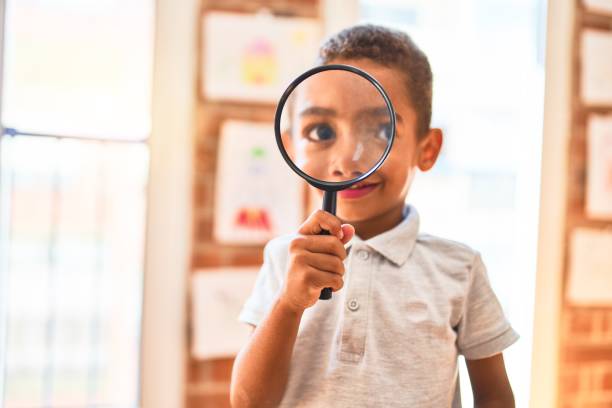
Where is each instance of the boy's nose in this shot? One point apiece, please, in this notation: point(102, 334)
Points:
point(348, 160)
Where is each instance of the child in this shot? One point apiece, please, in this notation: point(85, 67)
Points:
point(409, 304)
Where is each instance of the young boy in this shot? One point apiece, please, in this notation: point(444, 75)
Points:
point(409, 304)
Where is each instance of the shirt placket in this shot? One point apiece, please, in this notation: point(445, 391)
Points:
point(355, 316)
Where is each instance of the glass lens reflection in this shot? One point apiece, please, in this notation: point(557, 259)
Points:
point(335, 126)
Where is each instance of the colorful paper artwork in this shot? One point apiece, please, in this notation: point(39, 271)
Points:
point(254, 57)
point(257, 195)
point(259, 63)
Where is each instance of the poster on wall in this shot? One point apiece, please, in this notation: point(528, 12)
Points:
point(253, 57)
point(599, 6)
point(257, 196)
point(596, 66)
point(599, 167)
point(218, 295)
point(590, 268)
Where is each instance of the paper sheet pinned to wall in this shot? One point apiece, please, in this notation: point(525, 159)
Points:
point(253, 57)
point(257, 195)
point(590, 269)
point(217, 298)
point(599, 6)
point(599, 167)
point(596, 67)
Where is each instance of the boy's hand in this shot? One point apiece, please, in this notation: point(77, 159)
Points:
point(315, 261)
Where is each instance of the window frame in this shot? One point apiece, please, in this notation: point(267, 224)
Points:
point(3, 219)
point(556, 133)
point(168, 218)
point(548, 292)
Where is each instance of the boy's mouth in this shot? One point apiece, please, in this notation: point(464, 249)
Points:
point(357, 191)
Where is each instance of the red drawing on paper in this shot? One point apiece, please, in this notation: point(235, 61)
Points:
point(253, 218)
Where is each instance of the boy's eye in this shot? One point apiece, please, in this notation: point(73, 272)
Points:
point(321, 133)
point(385, 131)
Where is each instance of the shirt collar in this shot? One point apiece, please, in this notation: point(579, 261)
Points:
point(397, 243)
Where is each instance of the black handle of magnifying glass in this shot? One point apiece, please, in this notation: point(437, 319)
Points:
point(329, 205)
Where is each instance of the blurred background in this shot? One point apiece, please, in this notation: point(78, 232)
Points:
point(139, 182)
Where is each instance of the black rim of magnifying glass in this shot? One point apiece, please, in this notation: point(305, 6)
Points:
point(331, 185)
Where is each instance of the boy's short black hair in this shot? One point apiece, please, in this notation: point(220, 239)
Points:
point(391, 48)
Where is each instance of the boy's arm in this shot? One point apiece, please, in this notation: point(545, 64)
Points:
point(261, 369)
point(490, 384)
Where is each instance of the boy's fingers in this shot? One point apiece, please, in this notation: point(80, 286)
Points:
point(322, 220)
point(348, 232)
point(321, 279)
point(326, 263)
point(322, 244)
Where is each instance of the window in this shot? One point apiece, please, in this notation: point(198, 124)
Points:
point(487, 61)
point(73, 177)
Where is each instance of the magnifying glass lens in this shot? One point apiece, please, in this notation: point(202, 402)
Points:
point(335, 126)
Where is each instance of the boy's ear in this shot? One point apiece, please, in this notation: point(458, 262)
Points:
point(429, 149)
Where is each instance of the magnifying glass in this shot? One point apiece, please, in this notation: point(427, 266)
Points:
point(334, 126)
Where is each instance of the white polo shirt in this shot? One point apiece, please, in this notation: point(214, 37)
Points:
point(391, 336)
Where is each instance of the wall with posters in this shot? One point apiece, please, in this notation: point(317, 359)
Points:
point(585, 355)
point(241, 76)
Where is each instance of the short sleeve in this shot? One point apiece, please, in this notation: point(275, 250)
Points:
point(268, 283)
point(483, 330)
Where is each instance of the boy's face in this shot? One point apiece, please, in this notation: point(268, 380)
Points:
point(385, 191)
point(336, 127)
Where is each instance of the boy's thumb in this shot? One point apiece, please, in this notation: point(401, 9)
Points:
point(348, 232)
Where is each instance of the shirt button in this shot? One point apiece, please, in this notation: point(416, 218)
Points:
point(353, 305)
point(363, 255)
